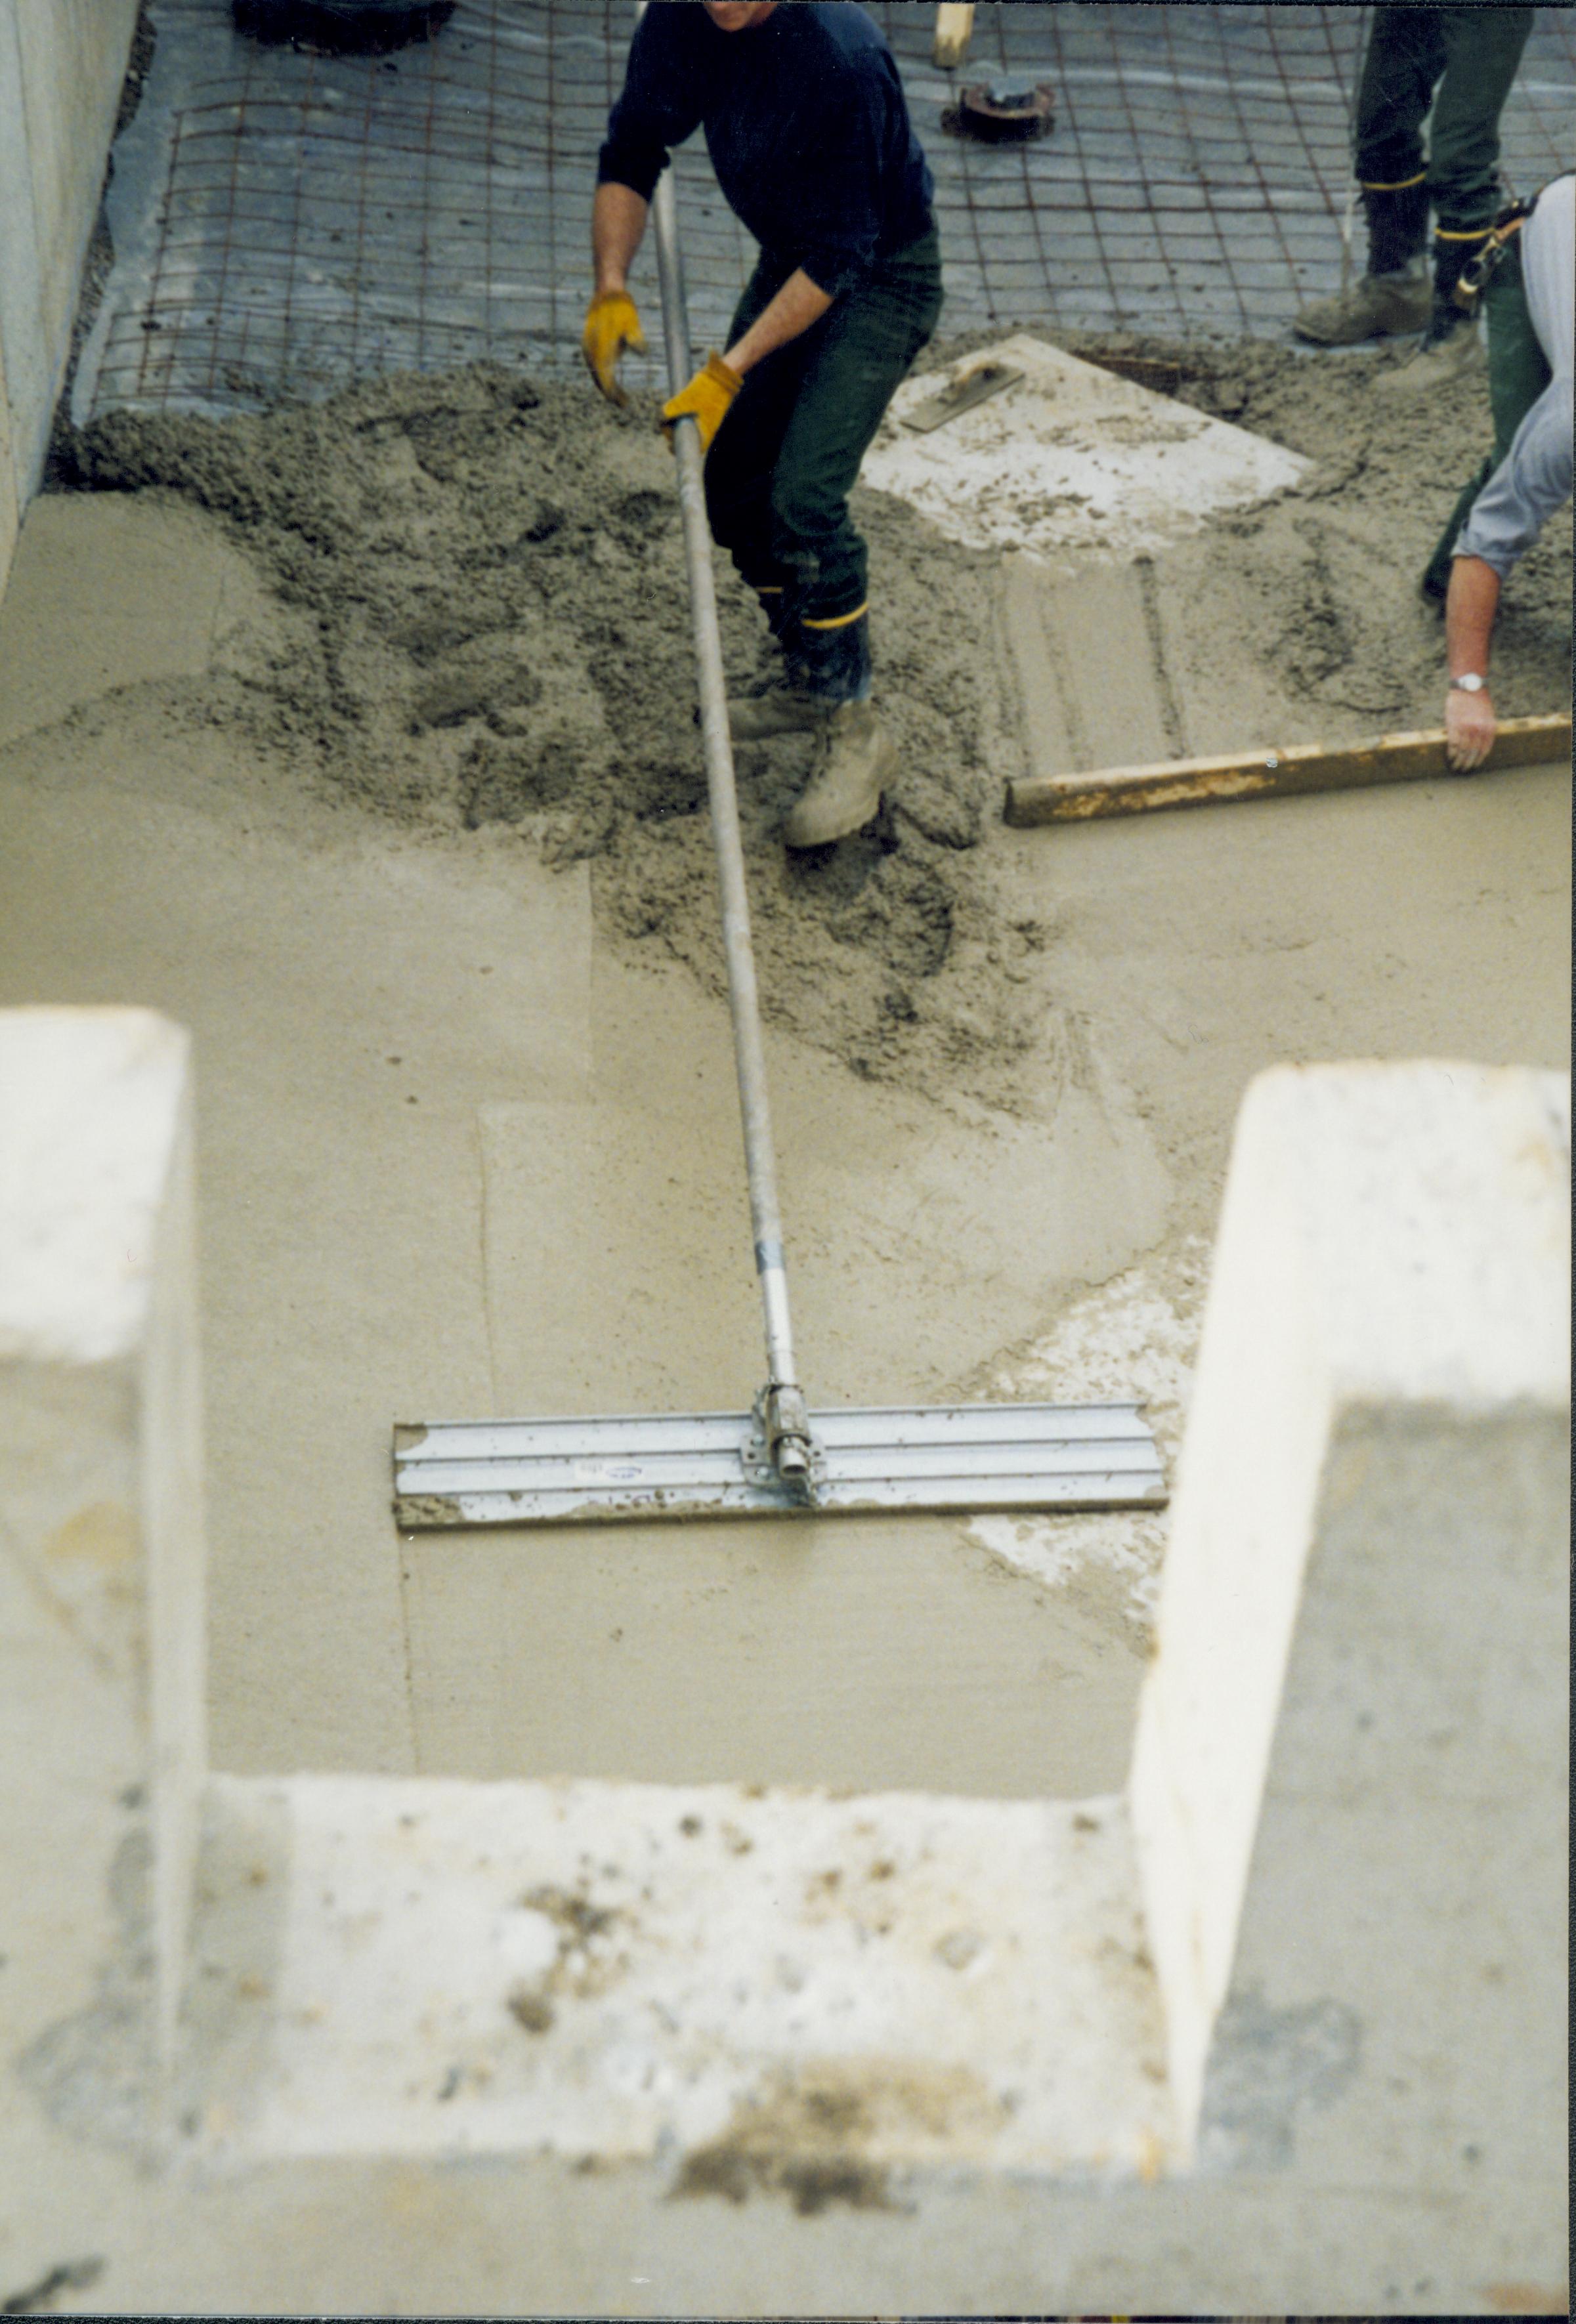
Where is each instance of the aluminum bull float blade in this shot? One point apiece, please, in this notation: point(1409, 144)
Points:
point(779, 1459)
point(968, 1456)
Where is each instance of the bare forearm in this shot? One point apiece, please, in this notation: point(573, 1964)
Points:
point(799, 303)
point(1468, 615)
point(1469, 609)
point(618, 221)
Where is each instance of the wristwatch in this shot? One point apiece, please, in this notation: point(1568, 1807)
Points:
point(1470, 684)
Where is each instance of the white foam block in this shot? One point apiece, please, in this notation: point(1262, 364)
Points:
point(1069, 457)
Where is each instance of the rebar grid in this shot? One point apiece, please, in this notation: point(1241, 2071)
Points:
point(287, 221)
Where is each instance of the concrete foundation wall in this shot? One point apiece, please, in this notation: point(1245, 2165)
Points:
point(62, 63)
point(1349, 1784)
point(102, 1597)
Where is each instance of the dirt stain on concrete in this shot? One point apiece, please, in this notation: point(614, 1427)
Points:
point(833, 2131)
point(585, 1963)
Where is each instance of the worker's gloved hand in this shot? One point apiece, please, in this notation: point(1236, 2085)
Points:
point(1469, 730)
point(705, 400)
point(611, 324)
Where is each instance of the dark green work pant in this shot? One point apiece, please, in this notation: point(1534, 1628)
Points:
point(1461, 61)
point(1519, 373)
point(784, 461)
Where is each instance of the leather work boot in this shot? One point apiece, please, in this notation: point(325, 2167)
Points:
point(1376, 307)
point(854, 757)
point(1445, 356)
point(781, 710)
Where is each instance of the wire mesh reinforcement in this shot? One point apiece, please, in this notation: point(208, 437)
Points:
point(286, 221)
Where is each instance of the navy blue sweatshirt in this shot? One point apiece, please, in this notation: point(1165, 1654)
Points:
point(804, 121)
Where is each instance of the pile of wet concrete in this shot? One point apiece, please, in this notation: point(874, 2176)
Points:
point(483, 621)
point(489, 625)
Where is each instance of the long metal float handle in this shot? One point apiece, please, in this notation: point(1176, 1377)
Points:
point(783, 1410)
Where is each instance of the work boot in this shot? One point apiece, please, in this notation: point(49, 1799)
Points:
point(854, 759)
point(782, 709)
point(1451, 351)
point(785, 704)
point(1376, 307)
point(1390, 299)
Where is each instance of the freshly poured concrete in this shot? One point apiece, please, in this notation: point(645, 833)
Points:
point(137, 589)
point(616, 1238)
point(454, 1168)
point(428, 1096)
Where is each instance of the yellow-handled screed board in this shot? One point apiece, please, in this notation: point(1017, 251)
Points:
point(953, 27)
point(1273, 774)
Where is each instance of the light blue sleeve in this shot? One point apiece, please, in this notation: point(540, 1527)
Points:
point(1532, 481)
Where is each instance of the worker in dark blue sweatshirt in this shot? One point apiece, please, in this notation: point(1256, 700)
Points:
point(808, 132)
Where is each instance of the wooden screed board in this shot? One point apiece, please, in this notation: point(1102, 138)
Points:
point(1273, 774)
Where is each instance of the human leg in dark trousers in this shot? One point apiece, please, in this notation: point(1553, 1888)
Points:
point(1482, 47)
point(779, 477)
point(1403, 59)
point(1461, 62)
point(743, 455)
point(786, 457)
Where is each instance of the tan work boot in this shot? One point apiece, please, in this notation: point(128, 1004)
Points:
point(1438, 362)
point(1376, 307)
point(756, 717)
point(854, 757)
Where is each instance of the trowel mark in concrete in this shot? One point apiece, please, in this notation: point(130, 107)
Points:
point(1155, 631)
point(1090, 658)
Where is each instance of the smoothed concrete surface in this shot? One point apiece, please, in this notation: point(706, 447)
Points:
point(1068, 458)
point(1419, 920)
point(888, 1651)
point(117, 589)
point(339, 1195)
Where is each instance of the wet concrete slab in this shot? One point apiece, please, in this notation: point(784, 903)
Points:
point(111, 593)
point(457, 1158)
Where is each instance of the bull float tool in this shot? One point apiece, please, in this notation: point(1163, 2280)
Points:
point(781, 1458)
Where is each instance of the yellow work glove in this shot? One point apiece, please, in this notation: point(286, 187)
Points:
point(611, 324)
point(705, 401)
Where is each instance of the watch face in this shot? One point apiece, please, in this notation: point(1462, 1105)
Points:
point(1468, 684)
